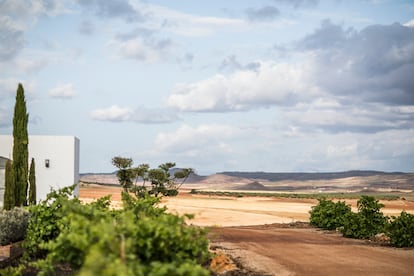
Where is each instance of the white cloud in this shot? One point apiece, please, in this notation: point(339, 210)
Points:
point(409, 23)
point(186, 24)
point(142, 115)
point(195, 139)
point(113, 113)
point(63, 91)
point(272, 84)
point(149, 51)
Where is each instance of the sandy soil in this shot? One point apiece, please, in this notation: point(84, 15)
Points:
point(237, 211)
point(256, 241)
point(280, 251)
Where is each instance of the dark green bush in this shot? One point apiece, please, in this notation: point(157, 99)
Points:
point(401, 230)
point(329, 215)
point(368, 222)
point(92, 239)
point(13, 225)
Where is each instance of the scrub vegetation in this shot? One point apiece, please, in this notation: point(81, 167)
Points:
point(364, 224)
point(65, 236)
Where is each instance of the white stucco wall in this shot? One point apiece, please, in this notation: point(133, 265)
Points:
point(62, 153)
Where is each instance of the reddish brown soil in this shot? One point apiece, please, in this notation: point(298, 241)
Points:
point(282, 251)
point(274, 249)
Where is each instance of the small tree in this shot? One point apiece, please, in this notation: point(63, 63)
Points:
point(32, 182)
point(126, 174)
point(162, 182)
point(9, 187)
point(20, 148)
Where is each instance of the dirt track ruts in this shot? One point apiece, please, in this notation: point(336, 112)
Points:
point(283, 251)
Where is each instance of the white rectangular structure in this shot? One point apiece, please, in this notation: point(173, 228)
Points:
point(56, 161)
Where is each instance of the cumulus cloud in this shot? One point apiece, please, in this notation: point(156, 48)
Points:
point(190, 139)
point(343, 80)
point(372, 65)
point(143, 45)
point(121, 9)
point(266, 13)
point(16, 16)
point(149, 51)
point(272, 84)
point(62, 91)
point(332, 117)
point(142, 115)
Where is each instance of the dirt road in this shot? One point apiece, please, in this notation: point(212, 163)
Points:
point(281, 251)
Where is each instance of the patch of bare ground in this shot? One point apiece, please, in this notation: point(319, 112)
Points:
point(275, 250)
point(262, 236)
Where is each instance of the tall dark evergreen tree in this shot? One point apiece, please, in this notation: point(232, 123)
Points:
point(8, 202)
point(32, 183)
point(20, 148)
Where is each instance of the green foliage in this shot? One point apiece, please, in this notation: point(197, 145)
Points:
point(13, 225)
point(92, 239)
point(126, 174)
point(161, 181)
point(32, 182)
point(401, 230)
point(45, 219)
point(296, 195)
point(329, 215)
point(9, 187)
point(368, 222)
point(20, 148)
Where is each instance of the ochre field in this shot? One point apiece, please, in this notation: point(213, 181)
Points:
point(262, 234)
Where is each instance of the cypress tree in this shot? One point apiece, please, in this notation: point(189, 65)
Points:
point(20, 148)
point(32, 183)
point(8, 202)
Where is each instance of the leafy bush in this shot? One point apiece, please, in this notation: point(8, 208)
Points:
point(401, 230)
point(91, 239)
point(45, 217)
point(368, 222)
point(13, 225)
point(329, 215)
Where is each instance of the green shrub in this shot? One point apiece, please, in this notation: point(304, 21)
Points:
point(13, 225)
point(45, 218)
point(329, 215)
point(368, 222)
point(91, 239)
point(401, 230)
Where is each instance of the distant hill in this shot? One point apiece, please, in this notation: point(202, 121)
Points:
point(271, 176)
point(110, 178)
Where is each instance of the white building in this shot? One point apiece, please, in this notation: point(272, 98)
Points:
point(56, 161)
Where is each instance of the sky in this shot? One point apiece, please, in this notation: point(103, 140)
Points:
point(236, 85)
